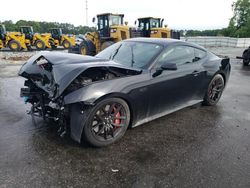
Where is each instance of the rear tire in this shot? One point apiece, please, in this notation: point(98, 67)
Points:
point(246, 62)
point(103, 126)
point(15, 45)
point(40, 45)
point(214, 90)
point(246, 56)
point(66, 44)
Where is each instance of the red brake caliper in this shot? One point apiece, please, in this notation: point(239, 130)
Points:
point(117, 121)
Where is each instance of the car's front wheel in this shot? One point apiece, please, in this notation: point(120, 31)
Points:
point(107, 122)
point(214, 90)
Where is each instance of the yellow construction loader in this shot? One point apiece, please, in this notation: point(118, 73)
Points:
point(153, 28)
point(60, 39)
point(40, 41)
point(110, 29)
point(2, 36)
point(14, 40)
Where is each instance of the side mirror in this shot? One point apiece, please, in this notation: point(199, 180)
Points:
point(126, 23)
point(135, 22)
point(165, 66)
point(169, 66)
point(93, 20)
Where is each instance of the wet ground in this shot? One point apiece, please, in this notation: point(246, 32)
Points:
point(194, 147)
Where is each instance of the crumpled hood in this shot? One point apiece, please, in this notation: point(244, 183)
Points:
point(65, 68)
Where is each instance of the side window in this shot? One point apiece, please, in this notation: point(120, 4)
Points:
point(199, 54)
point(100, 23)
point(154, 24)
point(141, 25)
point(106, 22)
point(177, 54)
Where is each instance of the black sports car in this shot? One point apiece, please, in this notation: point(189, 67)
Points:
point(132, 82)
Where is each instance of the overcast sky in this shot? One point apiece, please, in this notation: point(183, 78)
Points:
point(178, 14)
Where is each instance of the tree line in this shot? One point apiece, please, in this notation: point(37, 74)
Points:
point(43, 27)
point(239, 24)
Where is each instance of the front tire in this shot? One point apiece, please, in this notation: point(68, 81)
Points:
point(214, 91)
point(87, 48)
point(107, 122)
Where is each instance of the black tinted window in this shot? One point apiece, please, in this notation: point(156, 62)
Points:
point(199, 54)
point(177, 54)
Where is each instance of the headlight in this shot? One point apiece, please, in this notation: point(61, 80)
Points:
point(154, 31)
point(113, 30)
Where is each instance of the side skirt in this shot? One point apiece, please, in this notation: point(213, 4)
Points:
point(148, 119)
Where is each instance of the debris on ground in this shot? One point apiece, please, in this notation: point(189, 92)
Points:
point(114, 170)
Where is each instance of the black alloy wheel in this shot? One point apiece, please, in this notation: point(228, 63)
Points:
point(108, 121)
point(215, 90)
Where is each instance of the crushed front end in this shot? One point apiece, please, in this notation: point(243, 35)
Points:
point(56, 81)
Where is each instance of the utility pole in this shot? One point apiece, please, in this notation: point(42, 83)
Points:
point(86, 12)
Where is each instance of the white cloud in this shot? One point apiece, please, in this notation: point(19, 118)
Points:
point(179, 14)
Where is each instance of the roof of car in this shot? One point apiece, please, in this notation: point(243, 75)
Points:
point(163, 41)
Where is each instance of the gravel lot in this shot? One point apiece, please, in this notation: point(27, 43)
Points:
point(195, 147)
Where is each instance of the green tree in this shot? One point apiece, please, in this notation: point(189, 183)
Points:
point(44, 27)
point(239, 25)
point(241, 17)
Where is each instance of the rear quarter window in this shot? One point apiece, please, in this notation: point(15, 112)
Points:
point(199, 54)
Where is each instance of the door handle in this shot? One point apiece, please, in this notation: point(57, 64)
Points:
point(195, 73)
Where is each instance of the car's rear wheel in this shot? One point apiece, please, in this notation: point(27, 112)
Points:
point(246, 62)
point(215, 90)
point(246, 56)
point(107, 122)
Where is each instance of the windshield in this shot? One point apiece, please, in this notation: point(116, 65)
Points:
point(115, 20)
point(154, 23)
point(27, 30)
point(2, 29)
point(132, 54)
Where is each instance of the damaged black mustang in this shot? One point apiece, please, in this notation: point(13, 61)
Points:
point(95, 99)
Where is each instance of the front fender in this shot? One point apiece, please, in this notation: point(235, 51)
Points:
point(89, 94)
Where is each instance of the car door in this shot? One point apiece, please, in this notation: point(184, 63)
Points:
point(104, 26)
point(173, 89)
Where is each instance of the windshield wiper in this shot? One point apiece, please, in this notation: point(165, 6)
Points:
point(116, 51)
